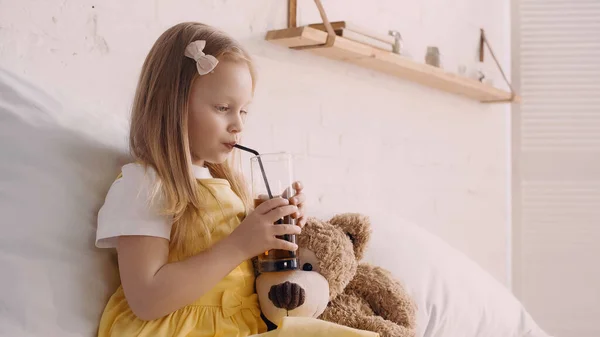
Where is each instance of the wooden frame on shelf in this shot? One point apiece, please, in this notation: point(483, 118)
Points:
point(327, 44)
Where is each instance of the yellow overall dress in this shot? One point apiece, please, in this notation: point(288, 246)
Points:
point(230, 309)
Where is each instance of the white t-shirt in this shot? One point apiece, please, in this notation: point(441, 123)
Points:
point(127, 209)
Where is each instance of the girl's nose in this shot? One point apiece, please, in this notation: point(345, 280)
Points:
point(237, 124)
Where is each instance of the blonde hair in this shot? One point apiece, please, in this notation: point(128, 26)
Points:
point(159, 125)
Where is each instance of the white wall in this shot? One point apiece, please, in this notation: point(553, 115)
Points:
point(365, 141)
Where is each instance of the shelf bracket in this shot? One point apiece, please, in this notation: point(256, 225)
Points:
point(292, 23)
point(292, 9)
point(483, 42)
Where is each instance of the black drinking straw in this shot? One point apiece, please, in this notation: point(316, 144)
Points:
point(262, 169)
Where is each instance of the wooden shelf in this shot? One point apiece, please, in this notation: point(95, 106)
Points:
point(373, 58)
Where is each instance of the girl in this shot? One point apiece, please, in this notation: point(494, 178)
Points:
point(178, 215)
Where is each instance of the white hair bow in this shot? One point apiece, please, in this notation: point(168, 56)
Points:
point(204, 63)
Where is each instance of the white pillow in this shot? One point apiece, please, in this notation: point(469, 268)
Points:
point(54, 175)
point(455, 297)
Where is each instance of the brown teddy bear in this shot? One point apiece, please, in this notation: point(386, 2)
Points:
point(333, 285)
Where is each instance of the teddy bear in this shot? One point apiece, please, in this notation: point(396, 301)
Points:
point(332, 284)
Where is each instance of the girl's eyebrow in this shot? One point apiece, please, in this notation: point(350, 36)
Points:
point(226, 97)
point(232, 99)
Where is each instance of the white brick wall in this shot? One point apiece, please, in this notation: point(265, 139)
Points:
point(364, 141)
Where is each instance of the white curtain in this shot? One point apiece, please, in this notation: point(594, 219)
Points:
point(556, 163)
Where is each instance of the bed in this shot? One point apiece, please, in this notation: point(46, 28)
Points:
point(56, 165)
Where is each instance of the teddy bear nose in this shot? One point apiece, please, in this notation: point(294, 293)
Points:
point(287, 295)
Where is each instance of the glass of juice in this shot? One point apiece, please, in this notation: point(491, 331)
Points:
point(272, 177)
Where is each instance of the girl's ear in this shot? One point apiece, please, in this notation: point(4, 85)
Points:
point(357, 227)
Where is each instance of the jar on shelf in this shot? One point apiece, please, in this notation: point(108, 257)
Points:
point(432, 57)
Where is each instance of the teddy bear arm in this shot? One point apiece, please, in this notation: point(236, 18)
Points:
point(345, 310)
point(386, 296)
point(387, 328)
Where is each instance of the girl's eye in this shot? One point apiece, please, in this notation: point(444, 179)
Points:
point(222, 108)
point(244, 112)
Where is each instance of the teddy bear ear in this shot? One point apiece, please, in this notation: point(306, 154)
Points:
point(357, 227)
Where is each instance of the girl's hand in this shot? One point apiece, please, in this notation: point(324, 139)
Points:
point(298, 199)
point(257, 233)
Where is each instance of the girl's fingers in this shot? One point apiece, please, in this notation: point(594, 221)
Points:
point(298, 186)
point(298, 199)
point(286, 229)
point(285, 245)
point(271, 205)
point(280, 212)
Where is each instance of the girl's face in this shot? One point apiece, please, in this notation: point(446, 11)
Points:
point(217, 110)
